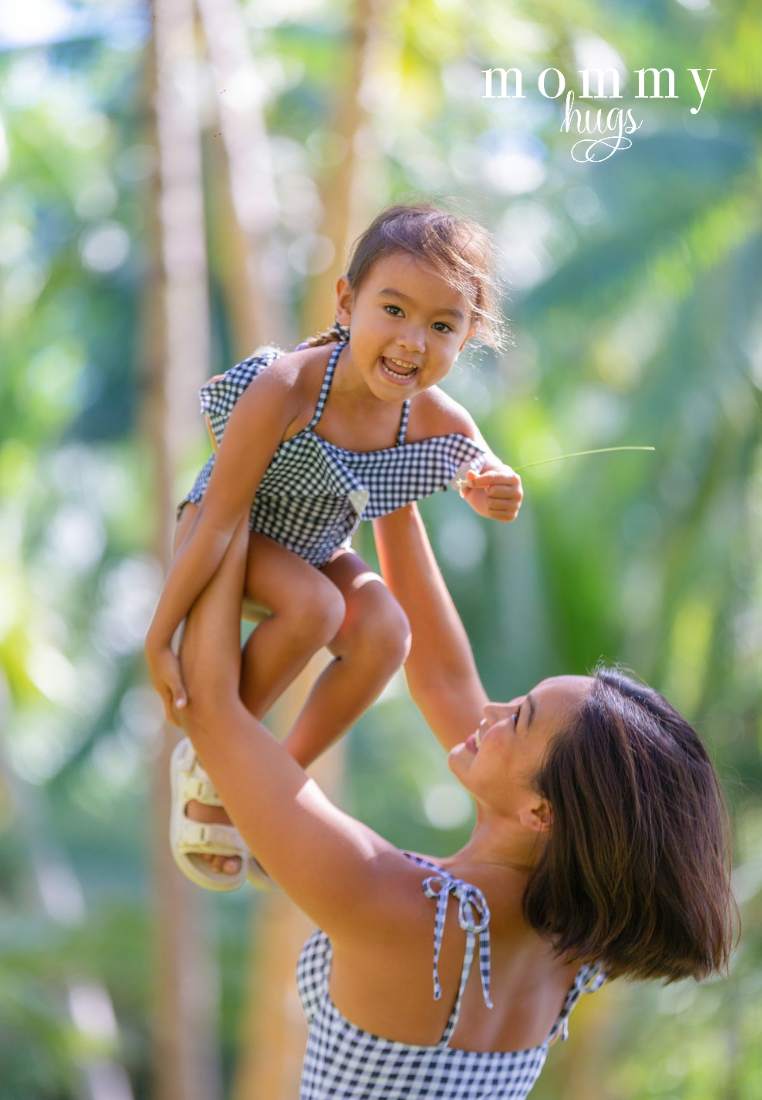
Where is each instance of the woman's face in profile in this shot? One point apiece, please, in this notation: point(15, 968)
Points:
point(498, 762)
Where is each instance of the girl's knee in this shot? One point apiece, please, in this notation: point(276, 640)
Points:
point(317, 611)
point(376, 623)
point(396, 633)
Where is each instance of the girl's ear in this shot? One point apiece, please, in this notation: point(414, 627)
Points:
point(344, 301)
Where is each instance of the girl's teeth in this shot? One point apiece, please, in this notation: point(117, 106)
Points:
point(399, 372)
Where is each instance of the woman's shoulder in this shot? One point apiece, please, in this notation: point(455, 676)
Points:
point(435, 413)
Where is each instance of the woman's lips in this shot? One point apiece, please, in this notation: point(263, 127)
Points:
point(474, 741)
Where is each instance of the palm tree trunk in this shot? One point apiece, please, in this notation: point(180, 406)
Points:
point(351, 190)
point(274, 1030)
point(255, 279)
point(185, 1065)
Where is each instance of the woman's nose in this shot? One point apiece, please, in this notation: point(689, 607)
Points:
point(496, 712)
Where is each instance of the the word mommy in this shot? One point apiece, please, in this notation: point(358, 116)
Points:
point(617, 122)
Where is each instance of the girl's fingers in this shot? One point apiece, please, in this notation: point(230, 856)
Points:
point(494, 479)
point(506, 492)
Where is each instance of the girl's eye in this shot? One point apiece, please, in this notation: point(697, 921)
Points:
point(516, 716)
point(397, 308)
point(441, 326)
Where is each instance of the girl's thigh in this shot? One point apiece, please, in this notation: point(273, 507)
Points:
point(277, 580)
point(282, 582)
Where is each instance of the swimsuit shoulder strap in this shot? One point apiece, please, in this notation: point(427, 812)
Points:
point(589, 979)
point(402, 433)
point(326, 387)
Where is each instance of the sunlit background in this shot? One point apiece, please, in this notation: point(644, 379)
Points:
point(162, 211)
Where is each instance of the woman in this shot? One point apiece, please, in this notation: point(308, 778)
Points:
point(599, 848)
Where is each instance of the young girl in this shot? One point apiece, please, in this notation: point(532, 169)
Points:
point(350, 425)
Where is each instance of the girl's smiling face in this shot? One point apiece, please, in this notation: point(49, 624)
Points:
point(407, 326)
point(498, 762)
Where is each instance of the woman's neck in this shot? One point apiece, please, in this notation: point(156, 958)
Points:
point(499, 846)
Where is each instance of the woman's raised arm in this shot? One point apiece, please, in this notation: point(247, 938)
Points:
point(343, 875)
point(440, 670)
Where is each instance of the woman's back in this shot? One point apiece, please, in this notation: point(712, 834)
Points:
point(463, 1045)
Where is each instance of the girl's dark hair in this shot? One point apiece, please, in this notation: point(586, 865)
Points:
point(635, 875)
point(460, 250)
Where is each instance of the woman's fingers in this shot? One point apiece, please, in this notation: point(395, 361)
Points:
point(174, 681)
point(169, 708)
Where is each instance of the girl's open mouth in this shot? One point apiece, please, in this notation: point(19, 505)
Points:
point(398, 371)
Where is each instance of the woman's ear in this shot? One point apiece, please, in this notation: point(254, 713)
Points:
point(537, 816)
point(344, 301)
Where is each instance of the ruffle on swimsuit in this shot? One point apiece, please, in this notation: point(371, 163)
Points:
point(313, 493)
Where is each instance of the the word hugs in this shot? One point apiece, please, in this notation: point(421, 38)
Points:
point(607, 128)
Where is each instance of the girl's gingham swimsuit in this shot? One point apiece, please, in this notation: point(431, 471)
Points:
point(343, 1061)
point(313, 493)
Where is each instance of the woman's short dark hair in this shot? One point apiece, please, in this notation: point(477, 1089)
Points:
point(636, 872)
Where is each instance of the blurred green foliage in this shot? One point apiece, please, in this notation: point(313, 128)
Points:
point(634, 298)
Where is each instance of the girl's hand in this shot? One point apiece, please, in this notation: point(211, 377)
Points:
point(164, 669)
point(495, 494)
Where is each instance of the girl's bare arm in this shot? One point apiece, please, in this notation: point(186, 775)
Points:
point(255, 429)
point(440, 670)
point(496, 491)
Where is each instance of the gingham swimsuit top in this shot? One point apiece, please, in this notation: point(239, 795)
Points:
point(343, 1061)
point(313, 493)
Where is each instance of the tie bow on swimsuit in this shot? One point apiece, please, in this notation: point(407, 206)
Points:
point(473, 918)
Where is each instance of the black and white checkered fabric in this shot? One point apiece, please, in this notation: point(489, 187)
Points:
point(313, 493)
point(343, 1061)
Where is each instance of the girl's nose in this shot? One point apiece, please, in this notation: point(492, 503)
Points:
point(412, 339)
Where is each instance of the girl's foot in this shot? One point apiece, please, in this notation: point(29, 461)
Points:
point(216, 815)
point(215, 857)
point(206, 847)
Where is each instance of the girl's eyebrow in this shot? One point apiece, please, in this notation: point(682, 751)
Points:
point(389, 291)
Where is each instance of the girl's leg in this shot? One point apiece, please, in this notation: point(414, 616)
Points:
point(210, 654)
point(372, 643)
point(307, 612)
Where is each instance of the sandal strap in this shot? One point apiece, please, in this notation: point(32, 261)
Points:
point(198, 788)
point(195, 783)
point(208, 838)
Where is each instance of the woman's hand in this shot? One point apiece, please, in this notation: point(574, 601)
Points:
point(494, 494)
point(164, 669)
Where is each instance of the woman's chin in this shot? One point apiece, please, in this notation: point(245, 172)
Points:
point(458, 760)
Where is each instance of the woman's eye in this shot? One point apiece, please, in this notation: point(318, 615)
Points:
point(516, 714)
